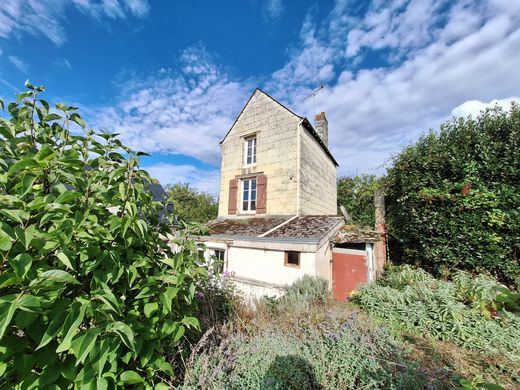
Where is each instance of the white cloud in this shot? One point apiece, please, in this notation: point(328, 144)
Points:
point(62, 63)
point(184, 112)
point(46, 17)
point(474, 107)
point(113, 8)
point(468, 53)
point(435, 62)
point(22, 67)
point(272, 10)
point(204, 180)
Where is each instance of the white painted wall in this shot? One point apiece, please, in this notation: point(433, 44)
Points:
point(260, 271)
point(268, 266)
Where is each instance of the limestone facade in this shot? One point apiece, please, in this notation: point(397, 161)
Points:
point(301, 178)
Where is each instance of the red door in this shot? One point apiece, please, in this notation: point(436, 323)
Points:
point(349, 271)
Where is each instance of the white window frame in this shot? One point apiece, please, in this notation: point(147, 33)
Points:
point(249, 198)
point(254, 142)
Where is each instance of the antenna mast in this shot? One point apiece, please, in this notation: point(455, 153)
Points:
point(313, 95)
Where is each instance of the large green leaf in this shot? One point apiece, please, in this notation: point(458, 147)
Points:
point(5, 243)
point(53, 329)
point(131, 378)
point(51, 277)
point(21, 264)
point(7, 310)
point(124, 332)
point(71, 331)
point(22, 164)
point(16, 215)
point(64, 259)
point(83, 343)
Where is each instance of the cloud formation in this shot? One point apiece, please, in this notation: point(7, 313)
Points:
point(46, 17)
point(185, 111)
point(272, 10)
point(436, 59)
point(466, 53)
point(474, 107)
point(22, 67)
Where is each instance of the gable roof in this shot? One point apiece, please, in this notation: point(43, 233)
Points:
point(305, 122)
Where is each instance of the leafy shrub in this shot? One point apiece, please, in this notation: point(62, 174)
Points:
point(91, 295)
point(416, 302)
point(321, 351)
point(307, 290)
point(453, 198)
point(356, 194)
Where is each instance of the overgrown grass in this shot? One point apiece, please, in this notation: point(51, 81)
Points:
point(305, 340)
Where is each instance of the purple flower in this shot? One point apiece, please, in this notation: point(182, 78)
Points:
point(200, 294)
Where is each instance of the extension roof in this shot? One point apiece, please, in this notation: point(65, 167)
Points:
point(307, 229)
point(304, 120)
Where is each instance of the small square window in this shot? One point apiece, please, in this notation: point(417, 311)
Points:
point(292, 259)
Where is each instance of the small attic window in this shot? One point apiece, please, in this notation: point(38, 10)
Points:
point(250, 150)
point(292, 259)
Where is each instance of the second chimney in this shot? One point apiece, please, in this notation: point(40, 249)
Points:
point(322, 128)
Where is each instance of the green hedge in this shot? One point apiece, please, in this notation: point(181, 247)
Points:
point(453, 198)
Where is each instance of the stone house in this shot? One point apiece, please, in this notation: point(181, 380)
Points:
point(277, 218)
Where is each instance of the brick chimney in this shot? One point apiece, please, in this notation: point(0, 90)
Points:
point(322, 127)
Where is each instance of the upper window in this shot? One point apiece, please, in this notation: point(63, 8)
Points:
point(249, 195)
point(250, 151)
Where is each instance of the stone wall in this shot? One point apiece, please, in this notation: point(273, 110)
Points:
point(276, 129)
point(318, 192)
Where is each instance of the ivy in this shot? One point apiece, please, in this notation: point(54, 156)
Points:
point(91, 293)
point(453, 198)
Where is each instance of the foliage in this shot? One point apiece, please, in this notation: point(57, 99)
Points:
point(317, 349)
point(192, 205)
point(453, 198)
point(91, 295)
point(356, 194)
point(457, 311)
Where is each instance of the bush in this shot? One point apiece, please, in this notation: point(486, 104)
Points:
point(300, 295)
point(356, 194)
point(91, 295)
point(319, 350)
point(456, 311)
point(453, 198)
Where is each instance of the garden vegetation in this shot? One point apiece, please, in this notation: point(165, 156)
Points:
point(453, 198)
point(91, 294)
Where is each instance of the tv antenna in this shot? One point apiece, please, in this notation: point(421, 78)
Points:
point(313, 95)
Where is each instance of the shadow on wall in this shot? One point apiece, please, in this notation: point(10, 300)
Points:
point(290, 372)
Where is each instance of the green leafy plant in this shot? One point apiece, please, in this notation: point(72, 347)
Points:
point(91, 294)
point(192, 205)
point(413, 301)
point(356, 194)
point(453, 198)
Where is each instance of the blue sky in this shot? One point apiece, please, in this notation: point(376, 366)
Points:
point(171, 76)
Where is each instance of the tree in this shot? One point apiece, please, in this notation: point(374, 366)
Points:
point(356, 194)
point(91, 294)
point(453, 198)
point(192, 205)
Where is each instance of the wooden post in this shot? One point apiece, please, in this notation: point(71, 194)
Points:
point(380, 227)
